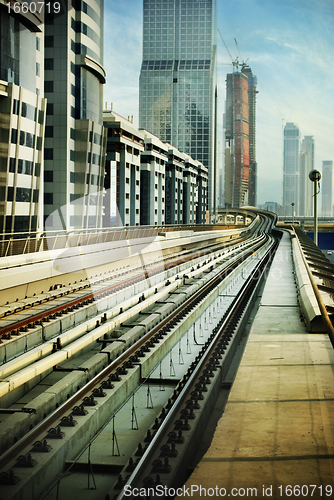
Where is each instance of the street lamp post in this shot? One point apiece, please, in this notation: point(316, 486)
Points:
point(293, 213)
point(315, 177)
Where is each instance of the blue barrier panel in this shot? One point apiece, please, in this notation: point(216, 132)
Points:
point(325, 240)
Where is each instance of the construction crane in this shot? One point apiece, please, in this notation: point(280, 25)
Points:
point(235, 62)
point(244, 63)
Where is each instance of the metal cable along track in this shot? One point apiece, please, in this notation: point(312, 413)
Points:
point(103, 381)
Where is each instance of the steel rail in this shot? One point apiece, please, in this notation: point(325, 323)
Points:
point(90, 297)
point(55, 416)
point(160, 438)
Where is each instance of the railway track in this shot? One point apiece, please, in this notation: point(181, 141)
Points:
point(21, 465)
point(161, 469)
point(77, 413)
point(60, 301)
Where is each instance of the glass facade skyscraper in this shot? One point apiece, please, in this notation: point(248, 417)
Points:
point(177, 79)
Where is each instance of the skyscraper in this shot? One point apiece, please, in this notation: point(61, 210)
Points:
point(177, 92)
point(252, 91)
point(22, 117)
point(240, 153)
point(327, 188)
point(75, 139)
point(305, 185)
point(291, 169)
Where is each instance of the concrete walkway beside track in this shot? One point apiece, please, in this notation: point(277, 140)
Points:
point(275, 437)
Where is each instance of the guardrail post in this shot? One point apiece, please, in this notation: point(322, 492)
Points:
point(9, 242)
point(25, 245)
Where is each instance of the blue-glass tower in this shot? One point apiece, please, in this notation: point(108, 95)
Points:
point(177, 79)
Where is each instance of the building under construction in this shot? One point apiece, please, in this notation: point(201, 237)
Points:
point(240, 153)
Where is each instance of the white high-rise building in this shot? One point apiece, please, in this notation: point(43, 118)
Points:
point(305, 185)
point(291, 170)
point(52, 134)
point(22, 118)
point(327, 188)
point(75, 139)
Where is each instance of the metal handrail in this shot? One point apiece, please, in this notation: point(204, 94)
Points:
point(12, 242)
point(13, 245)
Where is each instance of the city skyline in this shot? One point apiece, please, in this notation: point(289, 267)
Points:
point(291, 64)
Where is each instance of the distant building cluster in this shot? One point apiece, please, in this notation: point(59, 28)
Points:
point(298, 161)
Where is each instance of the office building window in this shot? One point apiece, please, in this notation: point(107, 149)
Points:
point(48, 176)
point(10, 193)
point(39, 143)
point(48, 153)
point(48, 86)
point(48, 198)
point(16, 104)
point(11, 164)
point(35, 195)
point(37, 169)
point(48, 63)
point(23, 194)
point(14, 136)
point(48, 41)
point(49, 131)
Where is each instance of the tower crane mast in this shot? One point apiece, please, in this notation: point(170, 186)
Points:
point(235, 62)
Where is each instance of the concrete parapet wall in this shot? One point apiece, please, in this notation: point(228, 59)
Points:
point(306, 296)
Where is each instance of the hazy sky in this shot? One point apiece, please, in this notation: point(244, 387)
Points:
point(289, 45)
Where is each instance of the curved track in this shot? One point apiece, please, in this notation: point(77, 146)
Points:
point(128, 364)
point(59, 302)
